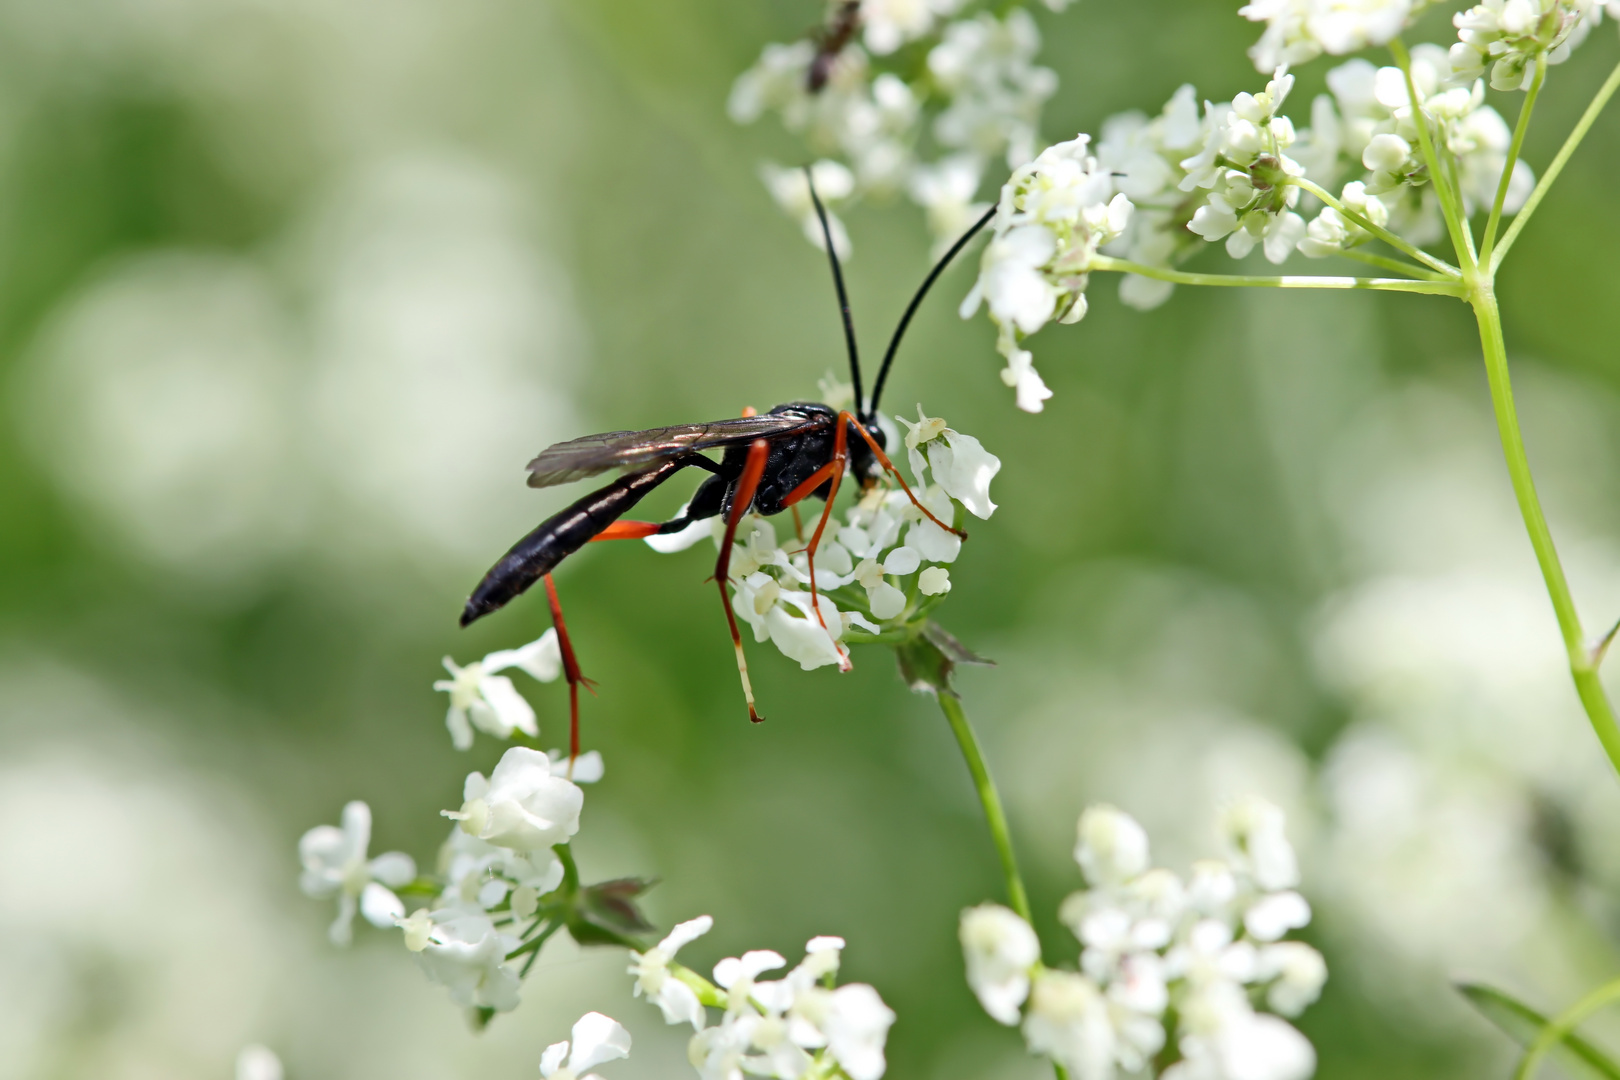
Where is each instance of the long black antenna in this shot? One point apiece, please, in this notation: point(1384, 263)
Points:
point(838, 283)
point(916, 302)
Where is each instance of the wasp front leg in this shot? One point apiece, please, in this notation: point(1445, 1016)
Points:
point(748, 483)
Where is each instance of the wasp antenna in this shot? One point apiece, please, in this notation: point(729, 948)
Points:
point(838, 284)
point(916, 302)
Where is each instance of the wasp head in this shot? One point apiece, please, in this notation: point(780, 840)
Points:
point(863, 463)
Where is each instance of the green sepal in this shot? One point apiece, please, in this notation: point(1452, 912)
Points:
point(606, 913)
point(928, 658)
point(1522, 1024)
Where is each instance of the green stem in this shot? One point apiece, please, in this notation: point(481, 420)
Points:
point(1488, 241)
point(1286, 281)
point(1420, 120)
point(1396, 242)
point(994, 816)
point(1559, 1028)
point(1399, 266)
point(1588, 118)
point(1582, 659)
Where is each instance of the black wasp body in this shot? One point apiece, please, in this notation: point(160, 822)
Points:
point(800, 437)
point(768, 463)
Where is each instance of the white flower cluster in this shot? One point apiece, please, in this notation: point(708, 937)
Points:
point(1054, 214)
point(493, 870)
point(1247, 175)
point(495, 867)
point(1198, 955)
point(483, 699)
point(1507, 36)
point(793, 1028)
point(1375, 126)
point(880, 571)
point(1301, 30)
point(982, 91)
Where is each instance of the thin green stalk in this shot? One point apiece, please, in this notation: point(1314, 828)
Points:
point(1488, 241)
point(1582, 661)
point(1285, 281)
point(994, 816)
point(1399, 266)
point(1449, 208)
point(1398, 243)
point(1565, 152)
point(1561, 1025)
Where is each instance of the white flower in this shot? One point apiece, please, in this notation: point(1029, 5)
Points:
point(1068, 1021)
point(855, 1024)
point(1112, 847)
point(523, 806)
point(466, 953)
point(1273, 915)
point(1508, 35)
point(596, 1039)
point(934, 581)
point(1299, 971)
point(1000, 949)
point(678, 1001)
point(256, 1062)
point(1301, 30)
point(585, 769)
point(889, 24)
point(946, 190)
point(1254, 830)
point(483, 699)
point(335, 863)
point(737, 974)
point(960, 463)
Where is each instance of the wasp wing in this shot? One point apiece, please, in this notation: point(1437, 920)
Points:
point(592, 455)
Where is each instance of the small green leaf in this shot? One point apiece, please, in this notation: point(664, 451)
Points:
point(606, 913)
point(1522, 1024)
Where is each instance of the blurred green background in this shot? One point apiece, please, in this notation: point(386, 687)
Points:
point(290, 292)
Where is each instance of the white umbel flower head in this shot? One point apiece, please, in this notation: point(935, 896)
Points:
point(852, 1022)
point(596, 1039)
point(523, 806)
point(678, 1001)
point(480, 698)
point(1054, 215)
point(1112, 847)
point(335, 864)
point(1000, 950)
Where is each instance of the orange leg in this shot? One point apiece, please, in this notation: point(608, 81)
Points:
point(570, 671)
point(741, 498)
point(883, 459)
point(627, 530)
point(830, 473)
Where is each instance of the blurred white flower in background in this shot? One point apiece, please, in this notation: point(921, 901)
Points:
point(257, 1062)
point(1000, 950)
point(173, 395)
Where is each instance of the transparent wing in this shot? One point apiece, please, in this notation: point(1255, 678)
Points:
point(592, 455)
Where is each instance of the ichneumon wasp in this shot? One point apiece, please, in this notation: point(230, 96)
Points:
point(769, 463)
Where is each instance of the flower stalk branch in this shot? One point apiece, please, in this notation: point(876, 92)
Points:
point(1565, 152)
point(1488, 240)
point(1281, 281)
